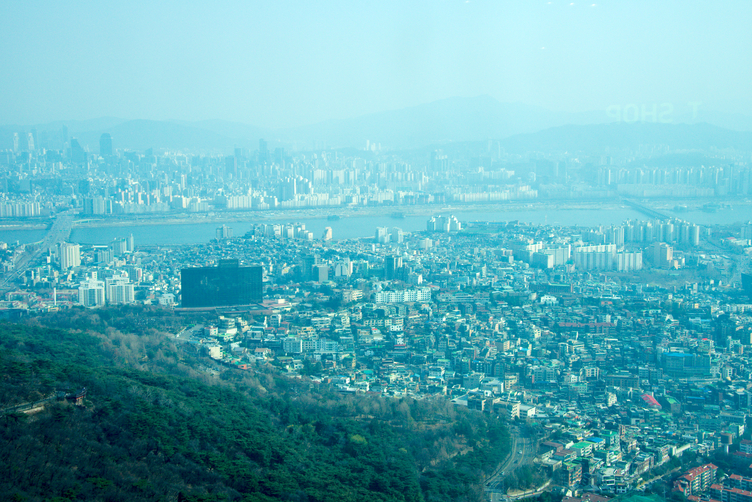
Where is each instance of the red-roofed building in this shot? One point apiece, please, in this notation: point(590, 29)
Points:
point(696, 480)
point(737, 481)
point(650, 401)
point(728, 494)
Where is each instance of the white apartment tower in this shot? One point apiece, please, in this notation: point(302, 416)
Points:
point(119, 290)
point(69, 255)
point(91, 293)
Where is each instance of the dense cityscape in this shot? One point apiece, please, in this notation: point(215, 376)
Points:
point(622, 346)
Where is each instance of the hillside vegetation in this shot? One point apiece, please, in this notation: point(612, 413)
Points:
point(154, 426)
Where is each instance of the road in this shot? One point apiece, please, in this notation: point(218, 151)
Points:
point(522, 453)
point(641, 486)
point(58, 232)
point(187, 334)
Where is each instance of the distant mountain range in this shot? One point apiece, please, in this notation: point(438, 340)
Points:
point(519, 127)
point(448, 120)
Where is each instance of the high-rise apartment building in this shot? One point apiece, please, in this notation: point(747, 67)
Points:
point(662, 254)
point(321, 273)
point(69, 255)
point(223, 232)
point(78, 154)
point(105, 145)
point(119, 246)
point(119, 290)
point(91, 293)
point(382, 235)
point(391, 266)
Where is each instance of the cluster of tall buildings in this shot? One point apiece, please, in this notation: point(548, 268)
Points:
point(443, 224)
point(285, 231)
point(20, 209)
point(115, 290)
point(687, 180)
point(94, 291)
point(223, 232)
point(606, 257)
point(639, 231)
point(386, 235)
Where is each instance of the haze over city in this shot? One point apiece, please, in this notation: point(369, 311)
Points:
point(286, 64)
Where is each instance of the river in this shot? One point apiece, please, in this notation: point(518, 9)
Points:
point(347, 227)
point(353, 225)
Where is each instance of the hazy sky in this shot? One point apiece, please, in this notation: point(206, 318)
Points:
point(282, 63)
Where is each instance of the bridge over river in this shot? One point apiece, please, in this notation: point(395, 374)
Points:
point(58, 232)
point(647, 211)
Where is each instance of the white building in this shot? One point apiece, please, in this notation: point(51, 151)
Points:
point(560, 255)
point(443, 224)
point(292, 345)
point(382, 235)
point(91, 293)
point(324, 346)
point(396, 235)
point(628, 262)
point(512, 408)
point(167, 299)
point(414, 279)
point(405, 295)
point(69, 255)
point(119, 290)
point(343, 268)
point(600, 257)
point(548, 300)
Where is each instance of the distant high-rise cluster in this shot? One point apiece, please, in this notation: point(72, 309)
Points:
point(443, 224)
point(619, 248)
point(282, 231)
point(20, 209)
point(78, 154)
point(687, 181)
point(105, 145)
point(123, 245)
point(670, 231)
point(223, 232)
point(386, 235)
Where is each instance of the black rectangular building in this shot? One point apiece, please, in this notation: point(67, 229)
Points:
point(225, 285)
point(747, 284)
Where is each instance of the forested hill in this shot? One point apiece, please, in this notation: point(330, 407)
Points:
point(154, 427)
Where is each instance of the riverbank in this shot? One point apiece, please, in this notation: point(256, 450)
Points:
point(291, 215)
point(12, 227)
